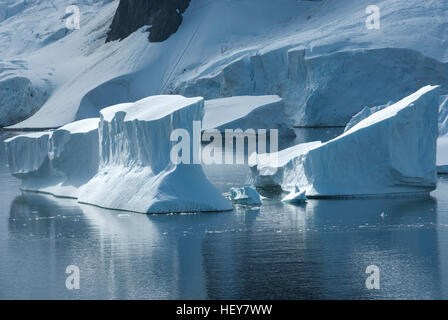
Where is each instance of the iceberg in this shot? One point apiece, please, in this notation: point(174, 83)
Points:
point(296, 196)
point(442, 141)
point(392, 152)
point(56, 162)
point(120, 161)
point(247, 112)
point(246, 196)
point(442, 155)
point(136, 172)
point(270, 170)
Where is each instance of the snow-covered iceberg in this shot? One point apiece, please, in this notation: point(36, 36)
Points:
point(57, 162)
point(120, 161)
point(246, 196)
point(391, 152)
point(136, 172)
point(271, 170)
point(247, 112)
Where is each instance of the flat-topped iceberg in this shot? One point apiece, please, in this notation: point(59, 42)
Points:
point(57, 162)
point(393, 151)
point(247, 112)
point(136, 172)
point(121, 160)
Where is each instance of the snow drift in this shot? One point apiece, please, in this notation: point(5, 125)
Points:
point(391, 152)
point(120, 161)
point(247, 112)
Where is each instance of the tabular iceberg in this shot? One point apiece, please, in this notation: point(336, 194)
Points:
point(120, 161)
point(247, 112)
point(136, 172)
point(391, 152)
point(56, 162)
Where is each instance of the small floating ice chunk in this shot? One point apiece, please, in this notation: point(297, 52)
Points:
point(246, 195)
point(296, 196)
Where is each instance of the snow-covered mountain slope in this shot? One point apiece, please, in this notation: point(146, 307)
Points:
point(393, 151)
point(86, 74)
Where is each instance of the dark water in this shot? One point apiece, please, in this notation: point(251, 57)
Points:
point(314, 251)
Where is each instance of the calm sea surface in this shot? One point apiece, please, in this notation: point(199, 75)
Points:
point(319, 250)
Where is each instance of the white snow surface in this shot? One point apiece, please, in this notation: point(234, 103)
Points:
point(120, 161)
point(391, 152)
point(247, 112)
point(85, 75)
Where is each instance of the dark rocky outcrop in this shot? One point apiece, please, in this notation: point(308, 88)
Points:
point(164, 17)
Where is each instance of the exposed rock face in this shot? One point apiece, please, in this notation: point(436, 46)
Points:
point(164, 17)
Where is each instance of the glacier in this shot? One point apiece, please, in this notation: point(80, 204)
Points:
point(311, 83)
point(120, 161)
point(392, 152)
point(206, 45)
point(247, 112)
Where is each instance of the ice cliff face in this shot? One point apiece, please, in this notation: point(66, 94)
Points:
point(163, 16)
point(120, 161)
point(322, 89)
point(391, 152)
point(20, 96)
